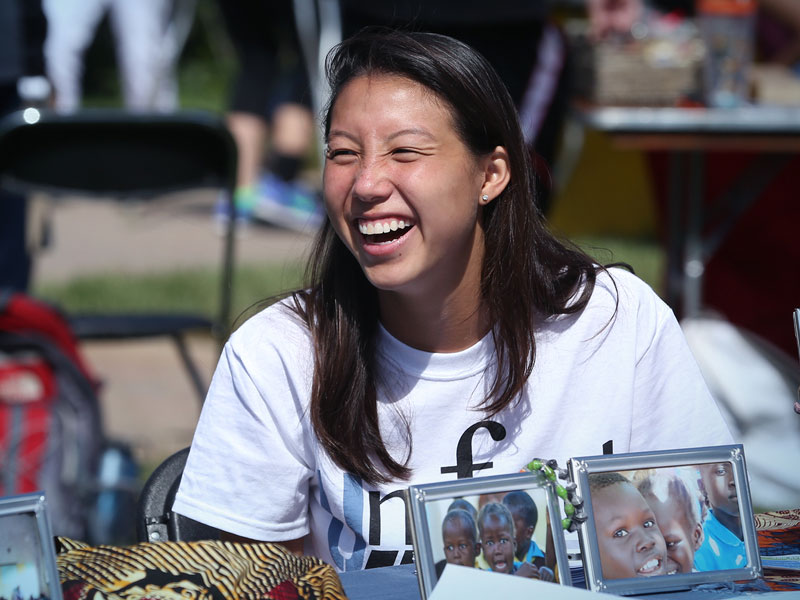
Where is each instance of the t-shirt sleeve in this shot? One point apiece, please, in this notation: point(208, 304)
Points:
point(251, 462)
point(673, 406)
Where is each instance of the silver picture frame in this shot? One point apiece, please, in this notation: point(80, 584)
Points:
point(27, 553)
point(684, 487)
point(427, 506)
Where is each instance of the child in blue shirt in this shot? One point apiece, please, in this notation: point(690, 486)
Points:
point(498, 542)
point(723, 546)
point(526, 515)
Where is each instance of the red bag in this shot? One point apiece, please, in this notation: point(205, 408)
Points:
point(50, 425)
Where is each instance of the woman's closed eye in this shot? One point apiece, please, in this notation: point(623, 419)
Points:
point(339, 154)
point(406, 154)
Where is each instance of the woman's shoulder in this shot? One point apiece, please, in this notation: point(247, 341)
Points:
point(621, 299)
point(625, 291)
point(278, 325)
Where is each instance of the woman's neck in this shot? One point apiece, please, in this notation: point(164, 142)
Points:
point(447, 325)
point(442, 311)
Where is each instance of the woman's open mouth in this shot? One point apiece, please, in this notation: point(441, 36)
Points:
point(383, 231)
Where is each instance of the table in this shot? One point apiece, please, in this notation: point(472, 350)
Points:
point(778, 533)
point(400, 583)
point(688, 134)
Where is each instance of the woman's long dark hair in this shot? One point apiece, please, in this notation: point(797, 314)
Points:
point(527, 274)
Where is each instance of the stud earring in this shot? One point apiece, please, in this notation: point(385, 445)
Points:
point(485, 198)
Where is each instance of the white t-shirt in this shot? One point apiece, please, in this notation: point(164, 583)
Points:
point(255, 468)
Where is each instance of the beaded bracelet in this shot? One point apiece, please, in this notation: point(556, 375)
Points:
point(573, 504)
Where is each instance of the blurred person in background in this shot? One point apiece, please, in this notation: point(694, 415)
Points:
point(270, 116)
point(148, 34)
point(22, 31)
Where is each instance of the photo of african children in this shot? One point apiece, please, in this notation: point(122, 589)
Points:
point(499, 532)
point(21, 570)
point(667, 521)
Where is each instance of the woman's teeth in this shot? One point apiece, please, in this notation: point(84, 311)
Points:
point(385, 227)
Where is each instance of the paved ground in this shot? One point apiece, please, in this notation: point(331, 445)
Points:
point(146, 396)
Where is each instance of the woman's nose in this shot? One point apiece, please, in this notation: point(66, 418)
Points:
point(372, 183)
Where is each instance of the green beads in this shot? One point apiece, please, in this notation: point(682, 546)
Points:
point(535, 465)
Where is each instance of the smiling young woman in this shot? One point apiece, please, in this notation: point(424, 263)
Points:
point(393, 156)
point(433, 290)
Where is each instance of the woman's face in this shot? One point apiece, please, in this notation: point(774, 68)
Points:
point(402, 190)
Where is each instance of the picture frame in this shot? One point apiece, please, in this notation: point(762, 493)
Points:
point(696, 501)
point(27, 554)
point(428, 506)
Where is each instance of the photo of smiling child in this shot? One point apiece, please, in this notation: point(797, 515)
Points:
point(498, 541)
point(673, 496)
point(629, 540)
point(723, 546)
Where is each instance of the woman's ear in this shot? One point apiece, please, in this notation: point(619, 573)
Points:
point(496, 175)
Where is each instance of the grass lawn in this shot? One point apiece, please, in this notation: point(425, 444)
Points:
point(197, 290)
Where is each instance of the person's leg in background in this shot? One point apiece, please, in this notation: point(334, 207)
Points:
point(247, 24)
point(283, 197)
point(71, 27)
point(269, 115)
point(144, 55)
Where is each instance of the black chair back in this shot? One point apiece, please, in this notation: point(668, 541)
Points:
point(120, 155)
point(155, 521)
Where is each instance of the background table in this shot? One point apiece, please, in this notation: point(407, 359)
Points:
point(688, 134)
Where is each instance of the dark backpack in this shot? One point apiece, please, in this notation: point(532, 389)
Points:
point(51, 435)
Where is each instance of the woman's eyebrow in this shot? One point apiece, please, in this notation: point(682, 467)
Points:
point(342, 133)
point(411, 131)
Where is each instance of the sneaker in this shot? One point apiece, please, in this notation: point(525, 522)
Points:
point(243, 200)
point(289, 204)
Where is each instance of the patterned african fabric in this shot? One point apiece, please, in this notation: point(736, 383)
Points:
point(778, 534)
point(206, 570)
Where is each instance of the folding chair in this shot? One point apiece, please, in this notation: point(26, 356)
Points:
point(155, 521)
point(122, 155)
